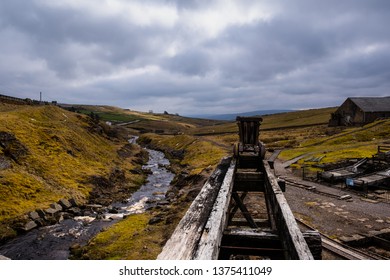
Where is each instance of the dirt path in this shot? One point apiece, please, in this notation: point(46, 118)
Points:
point(332, 216)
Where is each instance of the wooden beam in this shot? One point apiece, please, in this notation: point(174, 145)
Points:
point(184, 240)
point(209, 244)
point(251, 238)
point(241, 222)
point(313, 240)
point(233, 207)
point(242, 175)
point(248, 186)
point(244, 210)
point(291, 236)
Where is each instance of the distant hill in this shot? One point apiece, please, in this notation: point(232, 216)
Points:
point(232, 117)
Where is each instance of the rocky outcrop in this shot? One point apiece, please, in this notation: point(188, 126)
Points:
point(12, 147)
point(67, 209)
point(58, 211)
point(5, 163)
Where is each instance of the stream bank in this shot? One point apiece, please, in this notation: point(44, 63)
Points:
point(53, 242)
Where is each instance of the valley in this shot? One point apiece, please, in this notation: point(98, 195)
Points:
point(50, 153)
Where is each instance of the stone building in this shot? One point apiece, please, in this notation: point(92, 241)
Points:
point(361, 110)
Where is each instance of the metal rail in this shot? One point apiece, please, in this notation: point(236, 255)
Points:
point(342, 250)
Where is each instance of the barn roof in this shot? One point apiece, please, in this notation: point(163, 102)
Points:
point(372, 104)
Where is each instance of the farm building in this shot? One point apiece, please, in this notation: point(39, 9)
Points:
point(361, 110)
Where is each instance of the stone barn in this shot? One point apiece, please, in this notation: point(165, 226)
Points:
point(361, 110)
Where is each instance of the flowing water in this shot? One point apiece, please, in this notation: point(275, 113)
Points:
point(53, 242)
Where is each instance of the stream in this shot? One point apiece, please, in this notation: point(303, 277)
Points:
point(53, 242)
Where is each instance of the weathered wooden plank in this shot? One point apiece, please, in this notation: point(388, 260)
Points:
point(241, 222)
point(273, 157)
point(242, 175)
point(291, 236)
point(256, 242)
point(184, 240)
point(208, 248)
point(248, 186)
point(250, 237)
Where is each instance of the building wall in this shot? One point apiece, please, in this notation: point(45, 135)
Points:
point(350, 114)
point(372, 116)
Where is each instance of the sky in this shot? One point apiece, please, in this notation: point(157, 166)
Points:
point(195, 57)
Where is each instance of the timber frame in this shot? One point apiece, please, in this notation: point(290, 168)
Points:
point(220, 225)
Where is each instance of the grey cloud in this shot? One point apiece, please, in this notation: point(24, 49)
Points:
point(308, 54)
point(192, 63)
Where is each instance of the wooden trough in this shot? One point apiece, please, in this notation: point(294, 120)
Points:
point(219, 224)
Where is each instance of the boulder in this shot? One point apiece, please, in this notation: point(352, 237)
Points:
point(56, 206)
point(41, 213)
point(51, 211)
point(67, 215)
point(73, 202)
point(40, 222)
point(75, 211)
point(34, 215)
point(65, 203)
point(29, 226)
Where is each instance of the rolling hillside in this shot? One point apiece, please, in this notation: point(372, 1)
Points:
point(47, 153)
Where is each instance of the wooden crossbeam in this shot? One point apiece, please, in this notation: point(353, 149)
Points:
point(235, 207)
point(242, 222)
point(244, 210)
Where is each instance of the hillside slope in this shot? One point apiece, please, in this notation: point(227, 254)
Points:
point(47, 153)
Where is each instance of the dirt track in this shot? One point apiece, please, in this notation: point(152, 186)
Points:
point(333, 216)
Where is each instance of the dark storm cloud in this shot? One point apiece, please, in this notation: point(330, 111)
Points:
point(196, 56)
